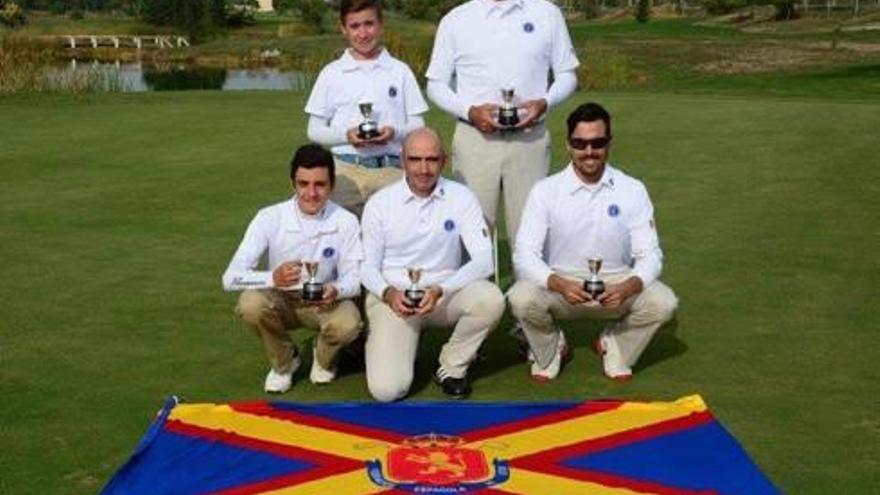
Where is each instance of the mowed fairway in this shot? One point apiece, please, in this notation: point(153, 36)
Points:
point(118, 214)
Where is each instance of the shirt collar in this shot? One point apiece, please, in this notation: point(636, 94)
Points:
point(488, 6)
point(575, 184)
point(349, 63)
point(406, 194)
point(294, 217)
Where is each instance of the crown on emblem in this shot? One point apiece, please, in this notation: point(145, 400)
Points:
point(433, 440)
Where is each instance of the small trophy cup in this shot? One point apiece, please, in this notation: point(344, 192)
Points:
point(413, 293)
point(594, 285)
point(507, 113)
point(368, 129)
point(312, 291)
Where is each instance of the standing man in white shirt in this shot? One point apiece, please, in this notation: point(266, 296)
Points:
point(307, 228)
point(589, 210)
point(482, 47)
point(365, 73)
point(421, 222)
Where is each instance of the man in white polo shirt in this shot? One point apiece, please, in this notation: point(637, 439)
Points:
point(420, 223)
point(482, 47)
point(365, 73)
point(305, 229)
point(589, 210)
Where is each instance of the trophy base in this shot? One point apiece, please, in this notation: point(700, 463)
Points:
point(413, 297)
point(312, 292)
point(508, 118)
point(368, 133)
point(594, 287)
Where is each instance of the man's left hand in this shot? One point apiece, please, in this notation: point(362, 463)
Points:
point(531, 111)
point(386, 134)
point(429, 302)
point(616, 294)
point(328, 300)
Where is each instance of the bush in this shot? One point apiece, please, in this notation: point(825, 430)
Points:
point(588, 8)
point(722, 7)
point(12, 15)
point(643, 11)
point(312, 13)
point(76, 14)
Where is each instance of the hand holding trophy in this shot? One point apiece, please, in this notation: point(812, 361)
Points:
point(594, 286)
point(312, 289)
point(413, 293)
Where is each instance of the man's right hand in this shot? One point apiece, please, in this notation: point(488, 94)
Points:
point(397, 302)
point(483, 117)
point(287, 273)
point(573, 292)
point(353, 139)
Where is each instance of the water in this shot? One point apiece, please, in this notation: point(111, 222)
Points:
point(141, 76)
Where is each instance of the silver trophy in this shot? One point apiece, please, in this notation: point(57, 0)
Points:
point(507, 112)
point(312, 291)
point(413, 293)
point(594, 285)
point(368, 129)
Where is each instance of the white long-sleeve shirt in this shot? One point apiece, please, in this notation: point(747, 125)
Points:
point(402, 230)
point(567, 221)
point(332, 237)
point(483, 46)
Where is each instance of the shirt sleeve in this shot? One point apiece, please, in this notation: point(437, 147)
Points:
point(320, 131)
point(349, 268)
point(318, 103)
point(528, 252)
point(241, 273)
point(564, 54)
point(563, 86)
point(415, 102)
point(475, 236)
point(646, 252)
point(440, 72)
point(374, 248)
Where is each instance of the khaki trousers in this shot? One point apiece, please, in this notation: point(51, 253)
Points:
point(392, 341)
point(272, 312)
point(356, 183)
point(635, 323)
point(508, 162)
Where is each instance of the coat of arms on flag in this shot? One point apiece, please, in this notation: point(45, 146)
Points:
point(558, 448)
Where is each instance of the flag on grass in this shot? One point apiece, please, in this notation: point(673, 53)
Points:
point(559, 448)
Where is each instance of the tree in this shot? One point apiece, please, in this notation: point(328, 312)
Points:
point(643, 11)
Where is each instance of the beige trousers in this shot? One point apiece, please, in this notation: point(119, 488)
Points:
point(392, 341)
point(272, 312)
point(635, 323)
point(501, 162)
point(356, 183)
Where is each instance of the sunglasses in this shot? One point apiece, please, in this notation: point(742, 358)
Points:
point(595, 143)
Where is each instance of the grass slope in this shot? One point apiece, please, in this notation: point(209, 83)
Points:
point(120, 212)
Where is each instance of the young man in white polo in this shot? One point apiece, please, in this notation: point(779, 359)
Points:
point(589, 210)
point(365, 73)
point(305, 229)
point(420, 223)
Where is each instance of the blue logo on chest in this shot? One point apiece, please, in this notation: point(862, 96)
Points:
point(449, 225)
point(392, 91)
point(613, 210)
point(328, 252)
point(528, 27)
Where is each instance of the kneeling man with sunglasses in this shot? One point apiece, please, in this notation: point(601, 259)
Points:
point(589, 210)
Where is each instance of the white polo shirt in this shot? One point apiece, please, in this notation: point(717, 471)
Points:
point(565, 221)
point(488, 45)
point(385, 81)
point(332, 237)
point(402, 230)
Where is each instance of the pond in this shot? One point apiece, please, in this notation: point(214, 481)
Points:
point(142, 76)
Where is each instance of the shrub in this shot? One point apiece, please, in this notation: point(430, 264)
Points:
point(643, 11)
point(76, 14)
point(312, 13)
point(12, 15)
point(588, 8)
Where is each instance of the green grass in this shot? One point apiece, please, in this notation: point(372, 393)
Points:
point(120, 212)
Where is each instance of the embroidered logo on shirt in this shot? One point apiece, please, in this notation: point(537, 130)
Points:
point(392, 91)
point(329, 252)
point(613, 210)
point(528, 27)
point(449, 225)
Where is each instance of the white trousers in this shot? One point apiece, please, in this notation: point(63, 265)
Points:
point(508, 162)
point(392, 341)
point(635, 321)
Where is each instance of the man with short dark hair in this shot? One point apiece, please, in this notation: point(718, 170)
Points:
point(307, 228)
point(365, 73)
point(589, 210)
point(420, 223)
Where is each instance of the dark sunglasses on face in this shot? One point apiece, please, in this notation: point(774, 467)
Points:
point(595, 143)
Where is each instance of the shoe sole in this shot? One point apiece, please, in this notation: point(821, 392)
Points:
point(566, 357)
